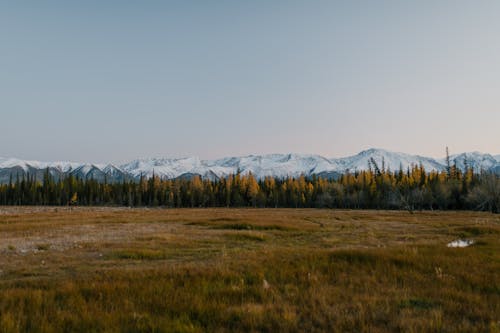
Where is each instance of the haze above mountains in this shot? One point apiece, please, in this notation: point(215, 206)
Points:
point(276, 165)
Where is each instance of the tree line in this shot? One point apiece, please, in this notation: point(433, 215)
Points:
point(375, 188)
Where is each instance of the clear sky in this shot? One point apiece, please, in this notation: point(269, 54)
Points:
point(111, 81)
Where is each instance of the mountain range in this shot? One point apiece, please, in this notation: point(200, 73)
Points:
point(276, 165)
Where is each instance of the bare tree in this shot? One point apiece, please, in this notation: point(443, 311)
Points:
point(487, 194)
point(411, 199)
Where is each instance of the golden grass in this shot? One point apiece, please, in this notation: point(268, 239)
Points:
point(247, 270)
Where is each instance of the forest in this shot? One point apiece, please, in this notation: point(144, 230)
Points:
point(375, 188)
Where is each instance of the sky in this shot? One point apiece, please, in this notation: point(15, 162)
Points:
point(112, 81)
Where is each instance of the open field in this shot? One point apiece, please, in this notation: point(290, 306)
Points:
point(262, 270)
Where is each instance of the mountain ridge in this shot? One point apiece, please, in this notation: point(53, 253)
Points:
point(276, 165)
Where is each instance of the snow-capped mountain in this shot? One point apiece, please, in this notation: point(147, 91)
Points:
point(164, 167)
point(276, 165)
point(391, 160)
point(26, 165)
point(477, 160)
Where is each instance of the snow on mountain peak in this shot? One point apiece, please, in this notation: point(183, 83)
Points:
point(276, 165)
point(26, 165)
point(391, 160)
point(163, 167)
point(477, 160)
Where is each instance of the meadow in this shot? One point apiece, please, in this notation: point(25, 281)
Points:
point(247, 270)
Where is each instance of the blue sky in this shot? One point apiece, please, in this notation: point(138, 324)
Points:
point(116, 80)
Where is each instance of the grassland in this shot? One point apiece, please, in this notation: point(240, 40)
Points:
point(247, 270)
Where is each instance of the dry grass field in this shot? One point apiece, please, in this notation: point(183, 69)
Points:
point(247, 270)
